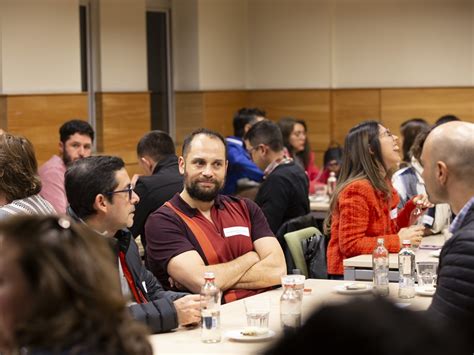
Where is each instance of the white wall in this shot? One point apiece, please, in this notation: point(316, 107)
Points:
point(185, 44)
point(222, 29)
point(289, 44)
point(323, 44)
point(123, 61)
point(40, 46)
point(402, 43)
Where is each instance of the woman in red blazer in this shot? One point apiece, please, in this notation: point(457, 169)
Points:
point(364, 205)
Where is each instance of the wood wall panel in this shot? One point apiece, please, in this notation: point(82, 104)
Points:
point(38, 117)
point(399, 105)
point(220, 107)
point(122, 118)
point(313, 106)
point(349, 107)
point(189, 114)
point(3, 112)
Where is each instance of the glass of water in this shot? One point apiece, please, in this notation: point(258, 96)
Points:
point(257, 309)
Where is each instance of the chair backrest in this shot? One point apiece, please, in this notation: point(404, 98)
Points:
point(293, 240)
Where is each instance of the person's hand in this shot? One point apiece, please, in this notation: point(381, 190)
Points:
point(422, 201)
point(412, 233)
point(175, 284)
point(188, 309)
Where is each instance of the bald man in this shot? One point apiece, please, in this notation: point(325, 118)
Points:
point(448, 161)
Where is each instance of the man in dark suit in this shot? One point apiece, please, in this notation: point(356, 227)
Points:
point(157, 157)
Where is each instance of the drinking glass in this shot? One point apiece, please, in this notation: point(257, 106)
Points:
point(257, 309)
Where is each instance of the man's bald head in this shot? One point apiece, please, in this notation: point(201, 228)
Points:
point(453, 144)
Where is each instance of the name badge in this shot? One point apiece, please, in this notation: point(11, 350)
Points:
point(428, 220)
point(231, 231)
point(394, 213)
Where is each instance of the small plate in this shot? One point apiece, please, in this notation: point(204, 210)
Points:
point(238, 336)
point(345, 291)
point(436, 253)
point(423, 291)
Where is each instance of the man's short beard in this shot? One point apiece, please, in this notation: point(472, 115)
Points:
point(199, 194)
point(66, 158)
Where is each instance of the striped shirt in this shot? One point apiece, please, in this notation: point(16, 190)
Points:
point(461, 215)
point(34, 204)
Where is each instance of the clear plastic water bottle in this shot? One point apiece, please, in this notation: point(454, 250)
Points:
point(210, 310)
point(380, 266)
point(332, 180)
point(406, 266)
point(290, 305)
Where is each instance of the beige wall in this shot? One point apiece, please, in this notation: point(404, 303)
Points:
point(289, 44)
point(185, 44)
point(40, 46)
point(324, 44)
point(222, 29)
point(123, 45)
point(404, 43)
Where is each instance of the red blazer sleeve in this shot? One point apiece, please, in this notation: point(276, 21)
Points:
point(358, 207)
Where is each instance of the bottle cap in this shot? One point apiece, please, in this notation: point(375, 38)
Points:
point(406, 241)
point(380, 240)
point(209, 275)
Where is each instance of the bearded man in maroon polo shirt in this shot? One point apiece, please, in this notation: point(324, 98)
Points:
point(199, 230)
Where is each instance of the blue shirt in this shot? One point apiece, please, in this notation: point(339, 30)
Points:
point(240, 165)
point(460, 217)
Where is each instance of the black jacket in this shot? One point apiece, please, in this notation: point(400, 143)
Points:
point(283, 195)
point(154, 191)
point(454, 296)
point(159, 314)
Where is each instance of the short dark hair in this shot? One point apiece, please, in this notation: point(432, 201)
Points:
point(409, 130)
point(207, 132)
point(88, 177)
point(75, 126)
point(245, 116)
point(18, 168)
point(417, 146)
point(446, 119)
point(390, 330)
point(333, 153)
point(156, 144)
point(265, 132)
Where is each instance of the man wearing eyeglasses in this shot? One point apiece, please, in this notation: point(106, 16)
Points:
point(101, 195)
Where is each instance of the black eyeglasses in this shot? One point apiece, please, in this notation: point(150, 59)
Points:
point(129, 189)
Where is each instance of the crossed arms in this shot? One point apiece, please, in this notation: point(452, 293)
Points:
point(256, 269)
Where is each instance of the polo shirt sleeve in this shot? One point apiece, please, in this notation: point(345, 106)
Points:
point(166, 237)
point(260, 227)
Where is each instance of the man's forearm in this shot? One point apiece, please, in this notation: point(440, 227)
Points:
point(229, 274)
point(265, 273)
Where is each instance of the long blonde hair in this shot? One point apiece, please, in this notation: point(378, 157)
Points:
point(362, 159)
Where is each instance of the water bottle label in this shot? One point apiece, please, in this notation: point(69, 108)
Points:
point(406, 265)
point(209, 322)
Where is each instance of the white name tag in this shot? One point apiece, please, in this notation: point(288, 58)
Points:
point(427, 220)
point(231, 231)
point(394, 213)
